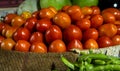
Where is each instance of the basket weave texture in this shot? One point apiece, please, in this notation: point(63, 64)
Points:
point(20, 61)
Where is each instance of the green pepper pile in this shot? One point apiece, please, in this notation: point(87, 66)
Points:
point(93, 62)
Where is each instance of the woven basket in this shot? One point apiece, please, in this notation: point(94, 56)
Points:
point(20, 61)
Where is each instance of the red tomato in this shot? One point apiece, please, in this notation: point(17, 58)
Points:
point(72, 32)
point(53, 33)
point(104, 41)
point(96, 10)
point(17, 21)
point(74, 12)
point(57, 46)
point(75, 44)
point(36, 14)
point(83, 24)
point(86, 10)
point(21, 34)
point(91, 44)
point(9, 17)
point(108, 29)
point(114, 11)
point(96, 21)
point(30, 24)
point(43, 24)
point(46, 13)
point(108, 17)
point(62, 19)
point(116, 40)
point(8, 44)
point(38, 47)
point(90, 33)
point(36, 37)
point(22, 45)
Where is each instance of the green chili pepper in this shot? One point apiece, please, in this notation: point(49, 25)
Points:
point(107, 67)
point(88, 66)
point(99, 62)
point(93, 56)
point(67, 63)
point(82, 66)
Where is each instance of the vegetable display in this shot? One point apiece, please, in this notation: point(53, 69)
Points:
point(51, 30)
point(93, 62)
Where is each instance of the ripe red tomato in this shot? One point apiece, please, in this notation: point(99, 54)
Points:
point(53, 33)
point(104, 41)
point(114, 11)
point(83, 24)
point(74, 12)
point(57, 46)
point(30, 24)
point(36, 37)
point(17, 21)
point(22, 45)
point(96, 10)
point(72, 32)
point(7, 44)
point(91, 33)
point(108, 29)
point(38, 47)
point(75, 44)
point(43, 24)
point(108, 17)
point(87, 10)
point(90, 44)
point(116, 40)
point(96, 21)
point(21, 33)
point(46, 13)
point(9, 17)
point(62, 19)
point(36, 14)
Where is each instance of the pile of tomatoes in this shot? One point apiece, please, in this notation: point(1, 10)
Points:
point(49, 30)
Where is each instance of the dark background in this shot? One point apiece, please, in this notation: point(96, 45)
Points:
point(10, 3)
